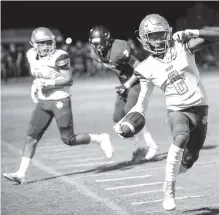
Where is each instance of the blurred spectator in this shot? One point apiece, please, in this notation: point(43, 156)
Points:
point(78, 59)
point(4, 63)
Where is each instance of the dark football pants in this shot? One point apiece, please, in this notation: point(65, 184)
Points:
point(192, 122)
point(61, 110)
point(124, 104)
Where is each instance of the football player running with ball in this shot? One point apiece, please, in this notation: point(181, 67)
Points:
point(172, 67)
point(51, 93)
point(116, 55)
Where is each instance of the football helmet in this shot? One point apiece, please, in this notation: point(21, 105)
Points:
point(43, 40)
point(100, 39)
point(155, 34)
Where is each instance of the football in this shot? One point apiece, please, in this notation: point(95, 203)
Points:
point(132, 124)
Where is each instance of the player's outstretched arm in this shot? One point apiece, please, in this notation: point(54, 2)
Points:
point(205, 38)
point(197, 40)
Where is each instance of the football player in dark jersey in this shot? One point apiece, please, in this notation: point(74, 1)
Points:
point(116, 55)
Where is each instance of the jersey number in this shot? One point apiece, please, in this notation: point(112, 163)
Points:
point(178, 82)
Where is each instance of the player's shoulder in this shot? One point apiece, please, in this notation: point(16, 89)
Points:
point(120, 51)
point(31, 52)
point(61, 57)
point(119, 46)
point(144, 66)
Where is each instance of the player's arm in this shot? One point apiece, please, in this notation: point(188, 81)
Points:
point(133, 62)
point(63, 65)
point(197, 40)
point(205, 38)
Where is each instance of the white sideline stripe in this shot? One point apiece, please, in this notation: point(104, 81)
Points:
point(86, 164)
point(80, 187)
point(160, 200)
point(145, 192)
point(131, 186)
point(64, 148)
point(72, 156)
point(124, 178)
point(79, 160)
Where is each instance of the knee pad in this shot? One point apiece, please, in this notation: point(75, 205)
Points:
point(70, 141)
point(181, 140)
point(189, 158)
point(33, 132)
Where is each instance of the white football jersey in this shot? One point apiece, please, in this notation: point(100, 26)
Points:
point(177, 76)
point(48, 68)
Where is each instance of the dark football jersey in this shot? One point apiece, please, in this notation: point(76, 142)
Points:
point(117, 59)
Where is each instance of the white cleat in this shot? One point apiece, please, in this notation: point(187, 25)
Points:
point(151, 151)
point(106, 145)
point(169, 202)
point(14, 177)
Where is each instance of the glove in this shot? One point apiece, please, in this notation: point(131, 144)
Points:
point(185, 35)
point(121, 90)
point(34, 94)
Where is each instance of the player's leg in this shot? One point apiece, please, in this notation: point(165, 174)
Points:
point(118, 112)
point(197, 139)
point(144, 135)
point(39, 122)
point(64, 119)
point(180, 128)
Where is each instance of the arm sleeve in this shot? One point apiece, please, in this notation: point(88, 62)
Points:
point(63, 61)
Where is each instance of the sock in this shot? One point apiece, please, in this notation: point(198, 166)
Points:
point(25, 162)
point(95, 138)
point(182, 169)
point(174, 159)
point(147, 137)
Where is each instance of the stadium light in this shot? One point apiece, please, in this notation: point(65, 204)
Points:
point(68, 40)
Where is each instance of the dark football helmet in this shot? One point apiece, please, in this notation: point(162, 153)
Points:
point(100, 39)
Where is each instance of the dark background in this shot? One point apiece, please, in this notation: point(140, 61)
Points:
point(75, 18)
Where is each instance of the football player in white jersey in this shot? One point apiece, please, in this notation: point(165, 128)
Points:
point(172, 67)
point(51, 93)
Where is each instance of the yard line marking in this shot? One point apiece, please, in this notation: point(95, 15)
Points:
point(146, 192)
point(160, 200)
point(86, 164)
point(80, 187)
point(124, 178)
point(72, 156)
point(131, 186)
point(79, 160)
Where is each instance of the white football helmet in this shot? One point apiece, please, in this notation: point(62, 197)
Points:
point(43, 40)
point(155, 34)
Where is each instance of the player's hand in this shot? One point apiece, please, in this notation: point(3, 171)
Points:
point(185, 35)
point(121, 90)
point(117, 128)
point(34, 94)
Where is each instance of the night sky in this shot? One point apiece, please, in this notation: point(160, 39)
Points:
point(75, 19)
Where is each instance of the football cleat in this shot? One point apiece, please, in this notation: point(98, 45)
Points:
point(132, 124)
point(151, 152)
point(169, 202)
point(106, 145)
point(14, 177)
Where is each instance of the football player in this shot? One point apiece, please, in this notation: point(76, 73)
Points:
point(116, 55)
point(172, 67)
point(51, 93)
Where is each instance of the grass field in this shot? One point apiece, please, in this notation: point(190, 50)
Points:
point(80, 180)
